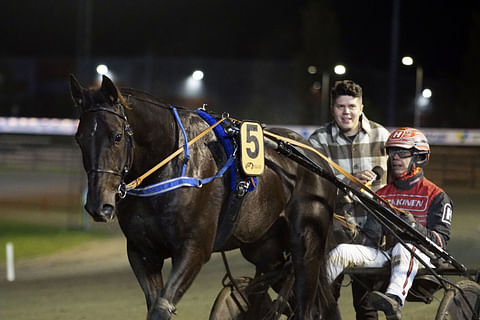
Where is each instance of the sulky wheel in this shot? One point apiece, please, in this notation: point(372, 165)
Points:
point(252, 302)
point(455, 307)
point(230, 304)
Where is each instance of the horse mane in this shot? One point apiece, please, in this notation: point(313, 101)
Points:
point(143, 96)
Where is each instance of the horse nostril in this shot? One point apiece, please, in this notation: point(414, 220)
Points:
point(107, 210)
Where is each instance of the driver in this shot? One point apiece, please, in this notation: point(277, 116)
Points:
point(430, 212)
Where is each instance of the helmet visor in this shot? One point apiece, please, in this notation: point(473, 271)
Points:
point(402, 153)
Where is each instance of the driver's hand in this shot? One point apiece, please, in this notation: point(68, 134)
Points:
point(365, 176)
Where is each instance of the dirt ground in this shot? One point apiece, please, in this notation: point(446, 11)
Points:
point(94, 282)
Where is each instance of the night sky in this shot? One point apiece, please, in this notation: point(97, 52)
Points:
point(436, 33)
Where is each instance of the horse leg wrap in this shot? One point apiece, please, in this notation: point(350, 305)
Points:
point(164, 304)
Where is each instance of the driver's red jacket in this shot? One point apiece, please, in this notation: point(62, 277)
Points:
point(429, 204)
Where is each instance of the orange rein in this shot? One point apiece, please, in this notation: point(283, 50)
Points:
point(135, 183)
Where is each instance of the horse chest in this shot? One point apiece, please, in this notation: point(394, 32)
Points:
point(150, 231)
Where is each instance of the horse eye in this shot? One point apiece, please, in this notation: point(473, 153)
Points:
point(118, 137)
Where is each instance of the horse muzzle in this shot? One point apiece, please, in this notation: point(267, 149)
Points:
point(104, 214)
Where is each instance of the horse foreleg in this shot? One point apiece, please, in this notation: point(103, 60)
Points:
point(304, 263)
point(308, 238)
point(147, 272)
point(267, 254)
point(268, 258)
point(185, 267)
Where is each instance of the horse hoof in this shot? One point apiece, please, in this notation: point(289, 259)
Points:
point(163, 310)
point(160, 315)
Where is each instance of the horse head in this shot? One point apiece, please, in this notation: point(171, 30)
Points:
point(104, 137)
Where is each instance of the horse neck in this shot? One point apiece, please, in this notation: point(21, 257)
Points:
point(154, 135)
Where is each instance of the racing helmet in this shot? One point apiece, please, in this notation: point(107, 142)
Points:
point(413, 140)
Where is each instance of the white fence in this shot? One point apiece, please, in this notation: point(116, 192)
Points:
point(45, 126)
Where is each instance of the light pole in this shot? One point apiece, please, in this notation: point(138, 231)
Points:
point(324, 96)
point(408, 61)
point(339, 69)
point(418, 93)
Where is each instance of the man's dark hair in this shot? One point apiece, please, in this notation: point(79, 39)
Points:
point(345, 88)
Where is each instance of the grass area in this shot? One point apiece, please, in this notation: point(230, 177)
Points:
point(464, 243)
point(33, 239)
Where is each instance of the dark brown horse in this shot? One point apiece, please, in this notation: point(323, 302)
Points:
point(124, 134)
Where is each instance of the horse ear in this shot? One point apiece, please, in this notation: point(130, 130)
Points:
point(109, 89)
point(76, 91)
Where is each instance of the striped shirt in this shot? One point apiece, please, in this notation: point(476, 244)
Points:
point(366, 151)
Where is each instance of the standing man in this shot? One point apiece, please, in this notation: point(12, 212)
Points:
point(430, 214)
point(357, 145)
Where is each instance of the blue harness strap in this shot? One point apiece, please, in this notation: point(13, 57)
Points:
point(179, 182)
point(227, 145)
point(182, 181)
point(186, 153)
point(222, 136)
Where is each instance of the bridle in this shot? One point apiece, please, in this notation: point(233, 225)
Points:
point(122, 191)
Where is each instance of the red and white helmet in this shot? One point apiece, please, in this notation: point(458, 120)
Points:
point(408, 138)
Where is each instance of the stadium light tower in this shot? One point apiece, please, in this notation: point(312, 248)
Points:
point(340, 69)
point(193, 86)
point(102, 69)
